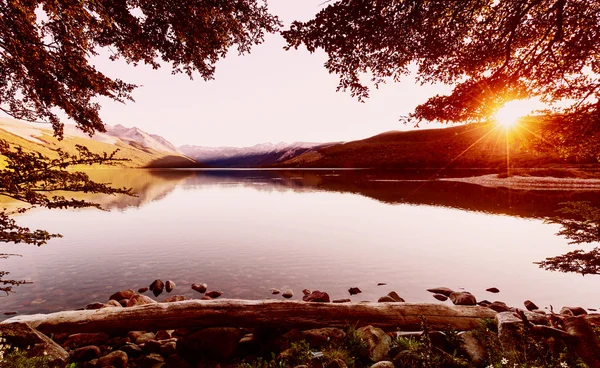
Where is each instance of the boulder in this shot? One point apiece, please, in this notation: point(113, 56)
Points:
point(573, 311)
point(85, 339)
point(152, 361)
point(213, 294)
point(164, 334)
point(123, 294)
point(383, 364)
point(152, 346)
point(157, 287)
point(21, 336)
point(354, 291)
point(275, 291)
point(144, 338)
point(132, 350)
point(175, 298)
point(440, 297)
point(441, 290)
point(493, 290)
point(169, 286)
point(217, 343)
point(499, 306)
point(320, 337)
point(530, 305)
point(113, 303)
point(201, 288)
point(96, 305)
point(116, 359)
point(395, 296)
point(508, 324)
point(473, 348)
point(288, 293)
point(138, 299)
point(168, 347)
point(378, 342)
point(316, 297)
point(463, 298)
point(85, 353)
point(142, 290)
point(386, 299)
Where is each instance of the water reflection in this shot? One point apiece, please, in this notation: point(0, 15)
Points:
point(246, 231)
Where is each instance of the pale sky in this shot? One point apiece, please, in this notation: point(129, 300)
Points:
point(270, 95)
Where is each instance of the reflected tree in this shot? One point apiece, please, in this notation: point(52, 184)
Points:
point(37, 181)
point(580, 222)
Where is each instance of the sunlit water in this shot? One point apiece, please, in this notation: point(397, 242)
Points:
point(245, 232)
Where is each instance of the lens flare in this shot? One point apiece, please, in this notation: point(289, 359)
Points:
point(511, 113)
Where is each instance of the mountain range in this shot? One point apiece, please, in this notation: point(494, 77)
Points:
point(472, 146)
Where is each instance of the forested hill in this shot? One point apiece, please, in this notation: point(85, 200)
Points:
point(466, 146)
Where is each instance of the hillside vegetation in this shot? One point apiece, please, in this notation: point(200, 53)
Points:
point(467, 146)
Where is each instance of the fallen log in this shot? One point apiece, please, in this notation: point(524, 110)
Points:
point(260, 313)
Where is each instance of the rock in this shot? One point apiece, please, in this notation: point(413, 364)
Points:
point(573, 311)
point(175, 298)
point(175, 361)
point(320, 337)
point(275, 291)
point(217, 342)
point(123, 302)
point(499, 306)
point(85, 353)
point(378, 342)
point(13, 313)
point(395, 296)
point(22, 336)
point(157, 287)
point(247, 339)
point(123, 294)
point(169, 286)
point(152, 361)
point(138, 299)
point(441, 290)
point(386, 299)
point(341, 301)
point(213, 294)
point(383, 364)
point(144, 338)
point(152, 346)
point(508, 325)
point(288, 293)
point(484, 303)
point(164, 334)
point(474, 349)
point(316, 297)
point(201, 288)
point(113, 304)
point(168, 347)
point(96, 305)
point(305, 292)
point(381, 283)
point(206, 298)
point(354, 291)
point(85, 339)
point(133, 335)
point(463, 298)
point(440, 297)
point(116, 359)
point(493, 290)
point(142, 290)
point(132, 350)
point(530, 305)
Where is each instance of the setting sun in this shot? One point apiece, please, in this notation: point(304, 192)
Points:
point(509, 115)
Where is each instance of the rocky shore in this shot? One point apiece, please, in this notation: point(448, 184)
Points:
point(509, 335)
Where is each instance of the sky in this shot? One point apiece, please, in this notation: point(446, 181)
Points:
point(270, 95)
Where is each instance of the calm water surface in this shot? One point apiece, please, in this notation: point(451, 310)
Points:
point(245, 232)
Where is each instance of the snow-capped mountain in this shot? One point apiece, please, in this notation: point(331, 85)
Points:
point(137, 136)
point(254, 156)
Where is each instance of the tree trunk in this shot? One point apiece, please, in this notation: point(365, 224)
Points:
point(246, 313)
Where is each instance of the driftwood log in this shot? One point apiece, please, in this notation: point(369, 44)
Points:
point(265, 313)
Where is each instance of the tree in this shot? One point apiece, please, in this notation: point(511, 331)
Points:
point(45, 48)
point(580, 223)
point(38, 181)
point(490, 51)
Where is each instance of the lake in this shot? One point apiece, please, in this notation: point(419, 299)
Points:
point(244, 232)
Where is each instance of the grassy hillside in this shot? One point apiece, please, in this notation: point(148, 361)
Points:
point(138, 156)
point(467, 146)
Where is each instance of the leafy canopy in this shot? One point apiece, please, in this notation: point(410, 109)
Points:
point(490, 51)
point(45, 48)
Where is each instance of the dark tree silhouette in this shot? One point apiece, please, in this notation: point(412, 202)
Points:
point(490, 51)
point(38, 181)
point(580, 223)
point(45, 48)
